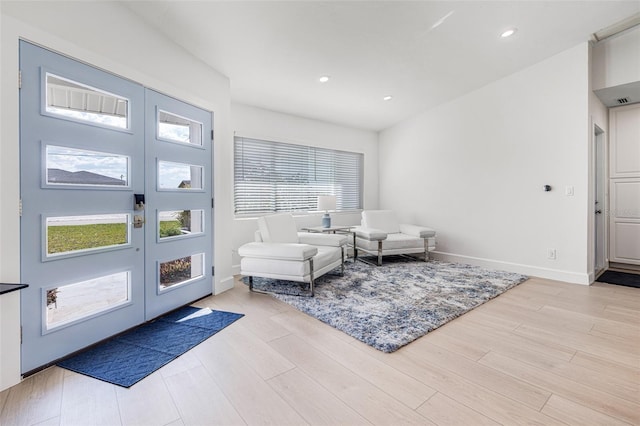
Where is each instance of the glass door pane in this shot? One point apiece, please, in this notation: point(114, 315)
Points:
point(77, 101)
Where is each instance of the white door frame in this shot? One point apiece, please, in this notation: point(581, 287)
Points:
point(601, 204)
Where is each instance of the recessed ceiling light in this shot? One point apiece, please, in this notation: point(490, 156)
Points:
point(324, 79)
point(387, 98)
point(509, 32)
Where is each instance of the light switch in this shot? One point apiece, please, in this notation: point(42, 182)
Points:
point(568, 191)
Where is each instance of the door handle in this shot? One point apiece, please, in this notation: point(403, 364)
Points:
point(138, 221)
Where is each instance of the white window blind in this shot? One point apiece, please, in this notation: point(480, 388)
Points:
point(275, 177)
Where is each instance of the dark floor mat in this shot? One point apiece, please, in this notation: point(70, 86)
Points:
point(129, 357)
point(620, 278)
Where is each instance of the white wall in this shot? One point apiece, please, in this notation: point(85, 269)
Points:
point(259, 123)
point(474, 169)
point(108, 36)
point(616, 60)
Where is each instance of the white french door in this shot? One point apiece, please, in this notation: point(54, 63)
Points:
point(116, 204)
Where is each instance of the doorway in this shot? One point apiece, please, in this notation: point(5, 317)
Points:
point(116, 204)
point(600, 203)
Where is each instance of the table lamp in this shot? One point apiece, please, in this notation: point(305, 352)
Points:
point(326, 203)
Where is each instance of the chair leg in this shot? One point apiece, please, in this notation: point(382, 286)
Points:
point(426, 249)
point(252, 288)
point(311, 282)
point(355, 249)
point(342, 265)
point(311, 276)
point(379, 253)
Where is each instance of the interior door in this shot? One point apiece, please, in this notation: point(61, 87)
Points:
point(179, 236)
point(115, 187)
point(624, 184)
point(81, 161)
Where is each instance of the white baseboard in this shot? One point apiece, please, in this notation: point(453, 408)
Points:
point(535, 271)
point(224, 285)
point(235, 269)
point(552, 274)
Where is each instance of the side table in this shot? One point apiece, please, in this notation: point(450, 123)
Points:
point(338, 230)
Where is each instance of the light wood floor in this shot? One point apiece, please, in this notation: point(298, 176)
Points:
point(543, 353)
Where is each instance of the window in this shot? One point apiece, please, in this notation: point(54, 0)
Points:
point(180, 271)
point(274, 177)
point(174, 128)
point(71, 302)
point(67, 235)
point(180, 223)
point(80, 167)
point(79, 102)
point(179, 177)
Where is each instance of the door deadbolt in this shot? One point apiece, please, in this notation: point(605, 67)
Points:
point(138, 203)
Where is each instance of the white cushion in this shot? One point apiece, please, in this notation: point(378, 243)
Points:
point(369, 233)
point(393, 242)
point(384, 220)
point(278, 228)
point(278, 251)
point(260, 266)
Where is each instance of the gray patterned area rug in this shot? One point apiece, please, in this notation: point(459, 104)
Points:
point(389, 306)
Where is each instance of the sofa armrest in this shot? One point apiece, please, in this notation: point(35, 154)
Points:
point(370, 234)
point(278, 251)
point(417, 231)
point(317, 239)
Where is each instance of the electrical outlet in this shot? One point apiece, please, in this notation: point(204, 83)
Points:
point(551, 254)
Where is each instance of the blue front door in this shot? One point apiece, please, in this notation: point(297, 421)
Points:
point(106, 241)
point(178, 189)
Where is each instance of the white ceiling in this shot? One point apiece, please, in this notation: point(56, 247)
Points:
point(275, 51)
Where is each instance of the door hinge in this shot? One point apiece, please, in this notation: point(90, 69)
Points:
point(213, 203)
point(20, 334)
point(19, 79)
point(213, 271)
point(211, 134)
point(20, 207)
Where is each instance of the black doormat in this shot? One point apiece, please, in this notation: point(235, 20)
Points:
point(620, 278)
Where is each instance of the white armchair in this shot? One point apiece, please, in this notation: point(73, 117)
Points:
point(281, 252)
point(381, 234)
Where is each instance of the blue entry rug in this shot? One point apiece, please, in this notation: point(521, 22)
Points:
point(130, 357)
point(389, 306)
